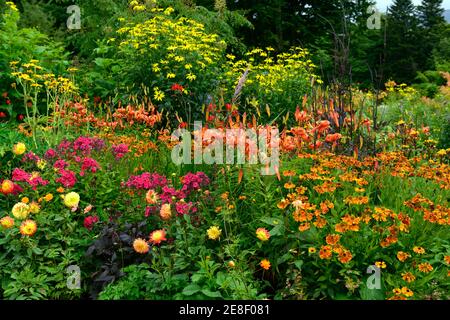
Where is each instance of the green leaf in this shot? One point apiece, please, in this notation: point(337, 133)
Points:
point(191, 289)
point(211, 294)
point(298, 264)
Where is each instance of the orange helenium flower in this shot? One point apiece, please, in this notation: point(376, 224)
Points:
point(402, 256)
point(425, 267)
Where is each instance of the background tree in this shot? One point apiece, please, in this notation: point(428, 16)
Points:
point(402, 46)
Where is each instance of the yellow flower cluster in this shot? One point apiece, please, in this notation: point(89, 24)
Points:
point(179, 49)
point(271, 73)
point(402, 89)
point(33, 75)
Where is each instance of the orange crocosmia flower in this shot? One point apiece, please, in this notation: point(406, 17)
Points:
point(332, 239)
point(158, 236)
point(265, 264)
point(419, 250)
point(402, 256)
point(325, 252)
point(425, 267)
point(345, 256)
point(141, 246)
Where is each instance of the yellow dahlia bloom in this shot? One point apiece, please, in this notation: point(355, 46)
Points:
point(165, 213)
point(7, 186)
point(19, 149)
point(158, 236)
point(72, 199)
point(262, 234)
point(28, 228)
point(214, 233)
point(34, 207)
point(7, 222)
point(141, 246)
point(20, 210)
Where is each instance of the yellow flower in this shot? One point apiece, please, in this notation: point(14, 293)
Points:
point(141, 246)
point(262, 234)
point(25, 200)
point(72, 199)
point(34, 207)
point(165, 213)
point(28, 228)
point(159, 95)
point(41, 164)
point(265, 264)
point(20, 210)
point(19, 149)
point(231, 264)
point(7, 222)
point(397, 291)
point(381, 264)
point(214, 233)
point(312, 250)
point(48, 197)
